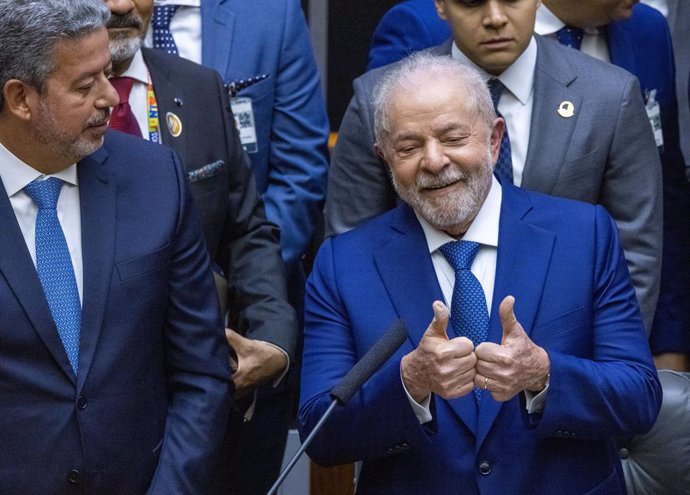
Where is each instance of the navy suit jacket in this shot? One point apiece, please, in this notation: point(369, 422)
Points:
point(245, 39)
point(562, 261)
point(642, 46)
point(149, 405)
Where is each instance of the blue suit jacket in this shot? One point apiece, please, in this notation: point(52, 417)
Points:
point(562, 262)
point(642, 46)
point(149, 405)
point(244, 39)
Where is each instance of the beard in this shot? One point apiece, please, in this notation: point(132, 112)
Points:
point(59, 143)
point(455, 210)
point(123, 46)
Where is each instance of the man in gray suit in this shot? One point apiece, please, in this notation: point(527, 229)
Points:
point(577, 129)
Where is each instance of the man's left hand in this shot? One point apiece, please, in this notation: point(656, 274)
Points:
point(515, 365)
point(257, 362)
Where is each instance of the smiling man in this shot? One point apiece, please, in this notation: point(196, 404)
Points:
point(114, 375)
point(542, 359)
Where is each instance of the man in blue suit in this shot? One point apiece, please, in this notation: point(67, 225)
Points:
point(262, 50)
point(549, 359)
point(638, 40)
point(114, 371)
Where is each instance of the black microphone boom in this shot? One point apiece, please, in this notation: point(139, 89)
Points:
point(341, 394)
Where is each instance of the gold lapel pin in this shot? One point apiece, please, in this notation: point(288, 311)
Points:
point(174, 124)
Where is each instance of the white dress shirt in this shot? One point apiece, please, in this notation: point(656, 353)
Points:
point(516, 101)
point(185, 27)
point(16, 175)
point(593, 41)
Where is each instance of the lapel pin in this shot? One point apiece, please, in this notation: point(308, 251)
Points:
point(178, 102)
point(174, 124)
point(566, 109)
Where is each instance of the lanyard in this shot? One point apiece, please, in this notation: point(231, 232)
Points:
point(152, 113)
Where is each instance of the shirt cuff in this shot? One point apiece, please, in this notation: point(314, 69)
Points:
point(280, 377)
point(422, 411)
point(534, 402)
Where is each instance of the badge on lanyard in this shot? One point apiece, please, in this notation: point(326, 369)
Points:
point(654, 116)
point(244, 121)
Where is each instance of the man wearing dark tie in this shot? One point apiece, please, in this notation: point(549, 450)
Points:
point(543, 359)
point(114, 372)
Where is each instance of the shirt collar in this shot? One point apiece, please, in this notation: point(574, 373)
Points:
point(184, 3)
point(518, 78)
point(483, 229)
point(16, 174)
point(137, 69)
point(547, 23)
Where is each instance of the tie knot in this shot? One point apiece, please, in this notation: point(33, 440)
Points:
point(162, 14)
point(123, 86)
point(460, 254)
point(496, 88)
point(45, 193)
point(570, 36)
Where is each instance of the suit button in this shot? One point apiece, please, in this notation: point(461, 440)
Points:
point(558, 434)
point(389, 450)
point(74, 477)
point(623, 453)
point(484, 468)
point(82, 402)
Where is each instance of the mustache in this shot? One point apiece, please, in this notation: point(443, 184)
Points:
point(427, 180)
point(100, 118)
point(129, 20)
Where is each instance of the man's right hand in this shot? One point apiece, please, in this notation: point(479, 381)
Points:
point(440, 365)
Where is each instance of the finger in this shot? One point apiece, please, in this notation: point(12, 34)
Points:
point(235, 340)
point(438, 326)
point(462, 346)
point(507, 314)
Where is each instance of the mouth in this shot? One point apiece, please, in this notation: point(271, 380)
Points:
point(497, 43)
point(440, 188)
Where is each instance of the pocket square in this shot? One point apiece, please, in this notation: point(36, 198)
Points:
point(238, 85)
point(206, 171)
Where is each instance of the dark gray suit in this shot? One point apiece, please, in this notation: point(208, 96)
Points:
point(604, 154)
point(240, 240)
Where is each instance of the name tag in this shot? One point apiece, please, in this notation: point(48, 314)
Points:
point(654, 116)
point(244, 121)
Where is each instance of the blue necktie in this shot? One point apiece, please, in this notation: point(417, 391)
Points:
point(468, 311)
point(162, 37)
point(54, 266)
point(504, 165)
point(570, 36)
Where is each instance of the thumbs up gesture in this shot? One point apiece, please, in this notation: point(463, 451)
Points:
point(440, 365)
point(514, 365)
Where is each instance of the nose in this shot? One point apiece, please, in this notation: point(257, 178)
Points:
point(434, 159)
point(494, 14)
point(120, 7)
point(109, 97)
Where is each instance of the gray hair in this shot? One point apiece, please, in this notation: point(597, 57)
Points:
point(31, 29)
point(425, 65)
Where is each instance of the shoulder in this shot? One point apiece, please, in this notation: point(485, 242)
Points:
point(646, 18)
point(176, 67)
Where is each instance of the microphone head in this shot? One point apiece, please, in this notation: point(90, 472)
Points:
point(370, 363)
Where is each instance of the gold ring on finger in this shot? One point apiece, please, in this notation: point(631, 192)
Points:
point(486, 382)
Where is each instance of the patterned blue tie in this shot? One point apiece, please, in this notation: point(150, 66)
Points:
point(570, 36)
point(504, 165)
point(468, 312)
point(162, 37)
point(54, 266)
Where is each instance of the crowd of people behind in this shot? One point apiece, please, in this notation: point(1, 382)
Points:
point(508, 181)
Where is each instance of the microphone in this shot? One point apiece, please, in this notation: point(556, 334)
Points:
point(341, 394)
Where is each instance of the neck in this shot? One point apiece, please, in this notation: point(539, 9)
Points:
point(571, 13)
point(19, 141)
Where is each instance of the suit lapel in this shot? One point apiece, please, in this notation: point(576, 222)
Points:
point(621, 50)
point(167, 95)
point(407, 272)
point(217, 24)
point(97, 190)
point(550, 133)
point(524, 254)
point(18, 269)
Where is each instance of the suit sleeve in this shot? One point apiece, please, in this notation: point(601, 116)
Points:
point(632, 194)
point(403, 31)
point(615, 391)
point(299, 140)
point(196, 361)
point(359, 185)
point(250, 257)
point(330, 353)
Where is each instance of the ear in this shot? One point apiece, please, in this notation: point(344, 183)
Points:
point(20, 98)
point(441, 9)
point(496, 137)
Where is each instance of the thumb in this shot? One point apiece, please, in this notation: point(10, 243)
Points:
point(236, 341)
point(508, 321)
point(437, 327)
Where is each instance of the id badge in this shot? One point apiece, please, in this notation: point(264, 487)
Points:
point(244, 121)
point(654, 116)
